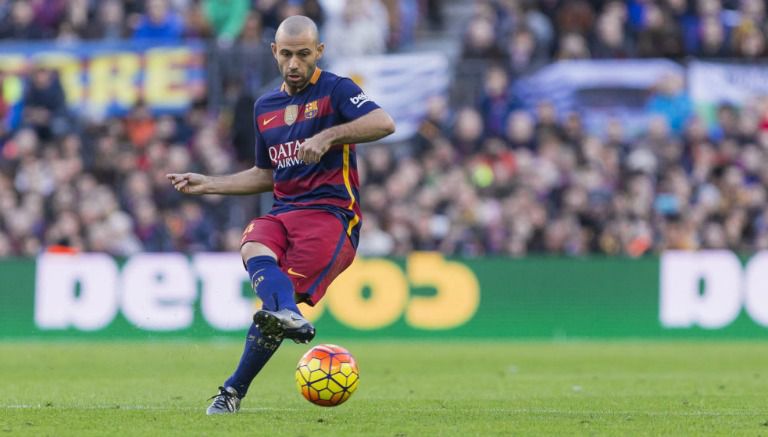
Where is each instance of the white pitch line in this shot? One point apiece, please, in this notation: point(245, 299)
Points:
point(415, 410)
point(127, 408)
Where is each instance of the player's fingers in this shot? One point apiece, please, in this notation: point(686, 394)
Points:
point(312, 156)
point(181, 184)
point(176, 177)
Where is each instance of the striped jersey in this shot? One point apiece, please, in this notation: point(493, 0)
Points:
point(284, 122)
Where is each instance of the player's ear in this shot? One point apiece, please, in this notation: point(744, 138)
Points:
point(320, 49)
point(274, 50)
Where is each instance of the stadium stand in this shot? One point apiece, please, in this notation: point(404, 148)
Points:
point(485, 175)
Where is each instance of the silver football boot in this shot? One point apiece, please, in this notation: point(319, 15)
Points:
point(226, 402)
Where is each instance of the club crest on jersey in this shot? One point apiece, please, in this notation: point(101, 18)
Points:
point(310, 109)
point(291, 113)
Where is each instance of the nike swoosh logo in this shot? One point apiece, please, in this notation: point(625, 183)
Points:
point(291, 272)
point(268, 120)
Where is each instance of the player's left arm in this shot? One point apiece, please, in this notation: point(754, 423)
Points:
point(372, 126)
point(362, 120)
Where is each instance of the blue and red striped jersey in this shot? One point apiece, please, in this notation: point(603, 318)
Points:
point(284, 122)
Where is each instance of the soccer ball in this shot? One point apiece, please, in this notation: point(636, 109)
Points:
point(327, 375)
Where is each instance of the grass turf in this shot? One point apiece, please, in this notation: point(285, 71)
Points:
point(406, 389)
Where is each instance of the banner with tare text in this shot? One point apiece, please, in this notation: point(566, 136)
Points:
point(102, 79)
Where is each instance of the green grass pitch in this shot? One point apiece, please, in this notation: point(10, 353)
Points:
point(406, 389)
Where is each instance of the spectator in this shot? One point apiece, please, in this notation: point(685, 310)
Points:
point(726, 123)
point(196, 24)
point(547, 123)
point(496, 101)
point(672, 102)
point(268, 10)
point(693, 24)
point(45, 106)
point(109, 26)
point(467, 131)
point(611, 42)
point(373, 240)
point(660, 36)
point(226, 17)
point(150, 230)
point(524, 53)
point(434, 127)
point(197, 233)
point(749, 42)
point(713, 41)
point(288, 8)
point(159, 23)
point(572, 46)
point(403, 18)
point(360, 29)
point(540, 26)
point(575, 17)
point(252, 33)
point(314, 10)
point(480, 41)
point(19, 24)
point(140, 126)
point(48, 14)
point(122, 238)
point(520, 130)
point(77, 17)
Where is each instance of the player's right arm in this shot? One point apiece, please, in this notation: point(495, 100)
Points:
point(257, 179)
point(252, 181)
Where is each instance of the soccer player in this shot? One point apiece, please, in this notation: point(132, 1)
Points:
point(305, 153)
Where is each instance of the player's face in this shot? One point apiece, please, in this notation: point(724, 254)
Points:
point(297, 57)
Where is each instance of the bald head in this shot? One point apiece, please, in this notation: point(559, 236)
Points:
point(297, 48)
point(297, 25)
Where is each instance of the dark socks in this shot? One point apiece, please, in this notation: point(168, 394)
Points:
point(270, 283)
point(258, 350)
point(275, 290)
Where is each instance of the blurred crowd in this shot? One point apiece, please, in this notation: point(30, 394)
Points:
point(104, 188)
point(489, 177)
point(73, 184)
point(484, 176)
point(545, 186)
point(373, 26)
point(523, 34)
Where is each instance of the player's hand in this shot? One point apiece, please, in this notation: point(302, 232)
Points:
point(312, 149)
point(188, 183)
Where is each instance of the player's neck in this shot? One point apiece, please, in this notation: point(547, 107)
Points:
point(292, 91)
point(313, 78)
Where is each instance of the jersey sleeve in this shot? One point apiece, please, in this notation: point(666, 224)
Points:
point(262, 154)
point(350, 101)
